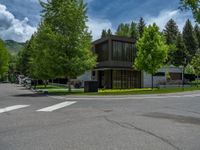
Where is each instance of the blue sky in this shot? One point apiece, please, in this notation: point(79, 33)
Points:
point(19, 18)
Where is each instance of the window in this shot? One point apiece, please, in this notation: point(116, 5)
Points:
point(125, 79)
point(102, 51)
point(123, 51)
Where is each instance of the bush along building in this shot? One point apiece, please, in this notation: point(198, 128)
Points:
point(114, 69)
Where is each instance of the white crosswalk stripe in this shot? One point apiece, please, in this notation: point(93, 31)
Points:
point(10, 108)
point(57, 106)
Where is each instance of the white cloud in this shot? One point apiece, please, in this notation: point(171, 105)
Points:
point(13, 28)
point(97, 25)
point(165, 15)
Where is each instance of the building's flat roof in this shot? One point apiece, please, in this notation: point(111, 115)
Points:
point(114, 37)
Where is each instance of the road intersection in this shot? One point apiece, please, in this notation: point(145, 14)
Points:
point(146, 122)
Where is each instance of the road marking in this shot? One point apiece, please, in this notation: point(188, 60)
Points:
point(57, 106)
point(15, 107)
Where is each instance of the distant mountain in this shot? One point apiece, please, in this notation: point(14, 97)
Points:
point(13, 46)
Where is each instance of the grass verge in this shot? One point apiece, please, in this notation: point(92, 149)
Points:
point(56, 90)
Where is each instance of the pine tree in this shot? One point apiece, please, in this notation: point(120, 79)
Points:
point(134, 31)
point(181, 52)
point(109, 32)
point(190, 40)
point(170, 33)
point(141, 26)
point(104, 33)
point(197, 33)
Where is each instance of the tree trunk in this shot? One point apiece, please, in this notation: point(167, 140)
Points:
point(45, 83)
point(152, 81)
point(69, 86)
point(197, 80)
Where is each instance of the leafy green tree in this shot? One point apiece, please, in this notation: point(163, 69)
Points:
point(170, 33)
point(71, 53)
point(189, 69)
point(141, 26)
point(4, 59)
point(152, 51)
point(190, 40)
point(181, 52)
point(41, 60)
point(193, 5)
point(196, 64)
point(12, 67)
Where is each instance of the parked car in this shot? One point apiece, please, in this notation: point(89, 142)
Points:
point(26, 81)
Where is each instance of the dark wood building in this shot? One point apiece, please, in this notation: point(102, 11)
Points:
point(115, 58)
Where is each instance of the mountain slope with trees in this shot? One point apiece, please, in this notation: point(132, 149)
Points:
point(13, 46)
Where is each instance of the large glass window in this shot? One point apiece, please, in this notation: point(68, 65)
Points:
point(125, 79)
point(123, 51)
point(102, 51)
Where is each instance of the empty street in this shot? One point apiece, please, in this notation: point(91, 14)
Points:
point(152, 122)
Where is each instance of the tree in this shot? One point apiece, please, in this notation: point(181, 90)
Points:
point(104, 33)
point(181, 53)
point(193, 5)
point(123, 30)
point(189, 69)
point(128, 30)
point(41, 62)
point(109, 32)
point(196, 64)
point(152, 51)
point(170, 33)
point(4, 59)
point(12, 67)
point(134, 31)
point(190, 40)
point(197, 33)
point(23, 59)
point(71, 51)
point(141, 26)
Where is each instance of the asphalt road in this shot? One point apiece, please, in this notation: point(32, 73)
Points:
point(30, 121)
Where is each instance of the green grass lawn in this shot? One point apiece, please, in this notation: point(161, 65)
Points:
point(57, 90)
point(49, 87)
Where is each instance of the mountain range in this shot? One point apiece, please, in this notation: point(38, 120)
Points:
point(13, 46)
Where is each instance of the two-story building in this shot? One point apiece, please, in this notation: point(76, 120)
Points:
point(115, 58)
point(114, 69)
